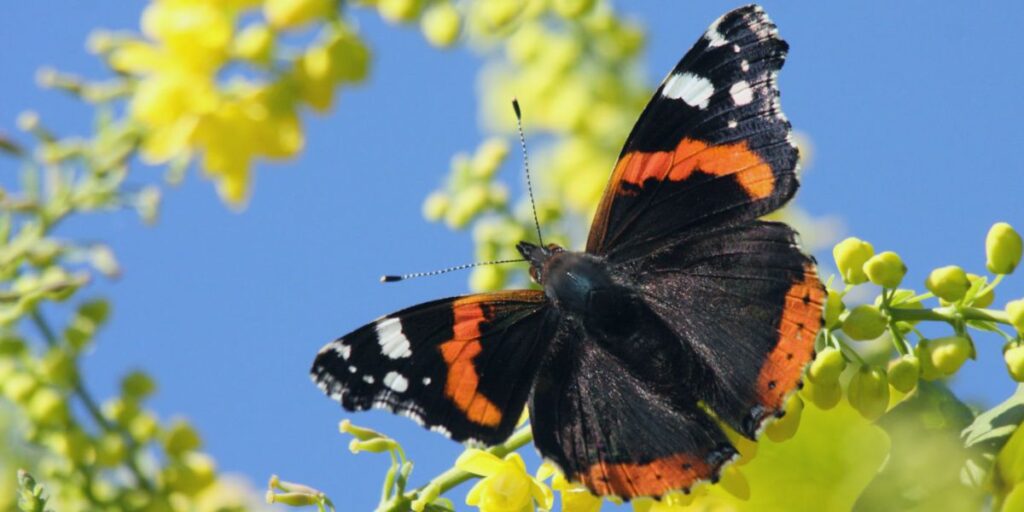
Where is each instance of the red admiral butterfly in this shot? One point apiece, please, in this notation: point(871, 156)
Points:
point(683, 305)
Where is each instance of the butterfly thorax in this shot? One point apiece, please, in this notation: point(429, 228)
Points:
point(579, 284)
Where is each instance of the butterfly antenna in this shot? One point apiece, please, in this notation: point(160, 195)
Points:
point(403, 277)
point(526, 166)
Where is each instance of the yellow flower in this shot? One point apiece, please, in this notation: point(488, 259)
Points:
point(288, 14)
point(170, 106)
point(253, 121)
point(506, 486)
point(575, 497)
point(196, 33)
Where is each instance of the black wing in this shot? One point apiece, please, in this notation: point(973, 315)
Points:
point(461, 366)
point(620, 415)
point(749, 304)
point(711, 148)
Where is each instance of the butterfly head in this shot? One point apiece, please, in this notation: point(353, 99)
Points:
point(538, 256)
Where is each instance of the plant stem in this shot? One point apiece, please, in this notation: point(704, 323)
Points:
point(949, 315)
point(454, 476)
point(90, 404)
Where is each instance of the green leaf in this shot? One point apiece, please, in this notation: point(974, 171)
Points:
point(989, 433)
point(923, 471)
point(829, 461)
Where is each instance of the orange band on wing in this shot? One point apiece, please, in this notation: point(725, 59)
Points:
point(655, 478)
point(801, 319)
point(458, 353)
point(737, 160)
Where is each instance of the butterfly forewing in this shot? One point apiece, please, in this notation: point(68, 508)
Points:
point(462, 366)
point(712, 147)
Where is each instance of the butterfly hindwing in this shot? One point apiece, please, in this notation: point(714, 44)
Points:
point(462, 366)
point(621, 425)
point(749, 304)
point(712, 147)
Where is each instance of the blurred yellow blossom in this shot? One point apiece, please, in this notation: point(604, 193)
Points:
point(575, 497)
point(506, 486)
point(290, 14)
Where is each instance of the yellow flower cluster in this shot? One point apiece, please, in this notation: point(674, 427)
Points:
point(185, 104)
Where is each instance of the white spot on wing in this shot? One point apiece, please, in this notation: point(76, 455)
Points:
point(351, 369)
point(733, 123)
point(741, 93)
point(744, 65)
point(696, 91)
point(393, 342)
point(368, 379)
point(342, 349)
point(426, 381)
point(714, 37)
point(396, 382)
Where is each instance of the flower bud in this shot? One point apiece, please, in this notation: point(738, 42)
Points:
point(435, 206)
point(137, 385)
point(924, 357)
point(181, 438)
point(19, 387)
point(111, 450)
point(293, 499)
point(255, 43)
point(824, 396)
point(949, 283)
point(885, 269)
point(289, 14)
point(1002, 248)
point(59, 368)
point(75, 445)
point(981, 300)
point(360, 433)
point(904, 373)
point(48, 407)
point(1015, 314)
point(786, 426)
point(948, 354)
point(1014, 357)
point(827, 366)
point(195, 472)
point(833, 308)
point(488, 157)
point(865, 322)
point(850, 255)
point(869, 392)
point(441, 24)
point(397, 11)
point(143, 427)
point(378, 445)
point(572, 8)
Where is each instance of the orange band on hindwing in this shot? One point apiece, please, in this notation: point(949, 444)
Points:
point(655, 478)
point(801, 320)
point(462, 380)
point(737, 160)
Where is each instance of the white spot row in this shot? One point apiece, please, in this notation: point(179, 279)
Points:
point(396, 382)
point(741, 93)
point(393, 342)
point(695, 90)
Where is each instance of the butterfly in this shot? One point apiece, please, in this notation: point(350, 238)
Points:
point(684, 312)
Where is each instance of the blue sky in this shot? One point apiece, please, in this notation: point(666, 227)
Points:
point(914, 109)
